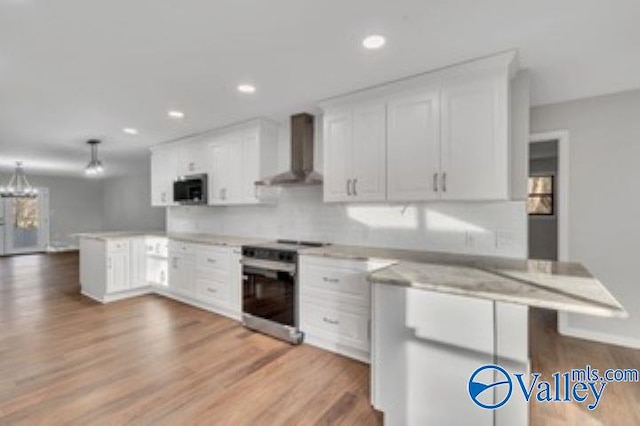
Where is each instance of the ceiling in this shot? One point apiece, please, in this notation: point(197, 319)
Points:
point(71, 70)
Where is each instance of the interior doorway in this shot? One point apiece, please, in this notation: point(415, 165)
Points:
point(542, 202)
point(548, 208)
point(26, 224)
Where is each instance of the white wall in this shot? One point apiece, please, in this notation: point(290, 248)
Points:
point(79, 204)
point(127, 205)
point(301, 214)
point(75, 205)
point(604, 206)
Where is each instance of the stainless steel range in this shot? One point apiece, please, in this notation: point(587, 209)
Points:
point(270, 288)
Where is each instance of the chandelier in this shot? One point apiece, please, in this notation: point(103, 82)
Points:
point(19, 186)
point(95, 166)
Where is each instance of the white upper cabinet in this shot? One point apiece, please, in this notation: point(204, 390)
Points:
point(413, 146)
point(355, 153)
point(238, 159)
point(338, 129)
point(163, 173)
point(233, 159)
point(192, 158)
point(475, 137)
point(438, 136)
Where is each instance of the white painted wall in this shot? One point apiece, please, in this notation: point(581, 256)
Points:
point(604, 230)
point(301, 214)
point(75, 205)
point(127, 205)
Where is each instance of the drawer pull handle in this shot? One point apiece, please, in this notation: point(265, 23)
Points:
point(212, 290)
point(210, 260)
point(330, 321)
point(330, 280)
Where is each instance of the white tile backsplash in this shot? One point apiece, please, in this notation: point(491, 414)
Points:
point(490, 228)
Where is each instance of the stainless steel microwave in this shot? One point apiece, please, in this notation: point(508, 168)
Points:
point(190, 189)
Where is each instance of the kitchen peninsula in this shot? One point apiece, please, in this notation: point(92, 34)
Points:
point(403, 311)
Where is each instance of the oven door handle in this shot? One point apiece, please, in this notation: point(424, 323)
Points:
point(270, 265)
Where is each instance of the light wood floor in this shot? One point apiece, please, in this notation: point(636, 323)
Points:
point(65, 359)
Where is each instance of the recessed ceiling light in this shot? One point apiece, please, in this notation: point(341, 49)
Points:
point(130, 131)
point(374, 41)
point(246, 88)
point(175, 114)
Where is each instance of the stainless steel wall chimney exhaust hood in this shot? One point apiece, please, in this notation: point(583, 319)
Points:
point(301, 172)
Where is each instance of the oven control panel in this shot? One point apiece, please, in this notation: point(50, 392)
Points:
point(270, 254)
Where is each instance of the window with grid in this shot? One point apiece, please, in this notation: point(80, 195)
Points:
point(541, 197)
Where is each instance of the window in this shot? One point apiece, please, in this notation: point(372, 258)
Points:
point(541, 200)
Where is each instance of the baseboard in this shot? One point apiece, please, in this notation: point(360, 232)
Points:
point(321, 343)
point(611, 339)
point(163, 291)
point(119, 296)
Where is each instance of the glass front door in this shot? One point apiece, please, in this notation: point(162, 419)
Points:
point(26, 224)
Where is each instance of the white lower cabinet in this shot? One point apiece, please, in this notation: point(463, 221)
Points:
point(118, 266)
point(218, 279)
point(335, 304)
point(110, 270)
point(426, 346)
point(181, 268)
point(207, 276)
point(202, 275)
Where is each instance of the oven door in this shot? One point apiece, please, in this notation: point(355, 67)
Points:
point(268, 292)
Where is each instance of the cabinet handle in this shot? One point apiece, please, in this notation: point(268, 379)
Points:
point(444, 182)
point(163, 197)
point(435, 182)
point(349, 187)
point(355, 192)
point(210, 260)
point(174, 262)
point(109, 263)
point(191, 166)
point(212, 290)
point(330, 321)
point(330, 280)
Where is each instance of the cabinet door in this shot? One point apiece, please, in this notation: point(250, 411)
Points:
point(475, 138)
point(233, 179)
point(138, 261)
point(413, 146)
point(118, 278)
point(368, 153)
point(163, 174)
point(192, 158)
point(250, 166)
point(226, 171)
point(338, 133)
point(219, 172)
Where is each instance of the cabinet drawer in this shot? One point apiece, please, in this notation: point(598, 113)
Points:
point(213, 290)
point(157, 247)
point(212, 258)
point(180, 247)
point(459, 321)
point(338, 284)
point(343, 327)
point(118, 245)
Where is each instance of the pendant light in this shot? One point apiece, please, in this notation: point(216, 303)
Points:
point(94, 167)
point(19, 186)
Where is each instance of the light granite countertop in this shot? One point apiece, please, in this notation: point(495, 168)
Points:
point(562, 286)
point(210, 239)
